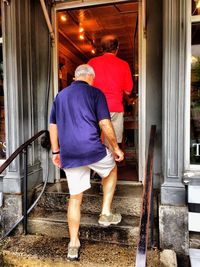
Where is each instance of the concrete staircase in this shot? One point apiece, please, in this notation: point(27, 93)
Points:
point(46, 244)
point(43, 251)
point(49, 217)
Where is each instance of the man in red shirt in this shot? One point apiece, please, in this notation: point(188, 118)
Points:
point(113, 77)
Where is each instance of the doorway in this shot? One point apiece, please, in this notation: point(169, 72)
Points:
point(2, 104)
point(79, 30)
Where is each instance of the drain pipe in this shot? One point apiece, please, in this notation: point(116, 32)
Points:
point(46, 15)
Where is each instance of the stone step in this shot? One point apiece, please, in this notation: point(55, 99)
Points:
point(127, 199)
point(42, 251)
point(123, 188)
point(53, 224)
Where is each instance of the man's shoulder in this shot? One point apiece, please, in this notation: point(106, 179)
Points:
point(122, 61)
point(63, 92)
point(96, 90)
point(95, 59)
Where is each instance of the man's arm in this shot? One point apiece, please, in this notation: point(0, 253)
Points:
point(53, 130)
point(108, 131)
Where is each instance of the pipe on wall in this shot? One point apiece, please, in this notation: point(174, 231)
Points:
point(46, 15)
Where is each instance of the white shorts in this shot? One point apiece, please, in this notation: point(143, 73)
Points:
point(79, 178)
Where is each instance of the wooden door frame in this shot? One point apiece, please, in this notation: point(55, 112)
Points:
point(142, 68)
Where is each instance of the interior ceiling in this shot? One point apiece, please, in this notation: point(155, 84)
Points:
point(120, 19)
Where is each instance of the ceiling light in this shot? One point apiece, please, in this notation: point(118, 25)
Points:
point(81, 36)
point(63, 18)
point(81, 29)
point(93, 51)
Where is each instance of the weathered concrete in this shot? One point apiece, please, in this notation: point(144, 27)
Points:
point(173, 228)
point(49, 217)
point(168, 258)
point(11, 211)
point(54, 224)
point(41, 251)
point(127, 199)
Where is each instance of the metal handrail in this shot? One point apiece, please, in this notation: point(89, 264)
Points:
point(23, 149)
point(147, 212)
point(20, 149)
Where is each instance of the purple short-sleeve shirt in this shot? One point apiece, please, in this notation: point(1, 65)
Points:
point(76, 111)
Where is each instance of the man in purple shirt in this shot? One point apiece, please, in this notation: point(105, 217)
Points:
point(79, 113)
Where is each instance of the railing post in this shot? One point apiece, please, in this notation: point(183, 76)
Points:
point(25, 200)
point(152, 217)
point(146, 217)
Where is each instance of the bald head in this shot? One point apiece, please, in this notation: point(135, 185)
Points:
point(109, 43)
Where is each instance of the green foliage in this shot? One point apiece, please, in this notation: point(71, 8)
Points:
point(196, 70)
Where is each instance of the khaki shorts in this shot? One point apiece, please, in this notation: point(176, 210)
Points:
point(117, 119)
point(79, 178)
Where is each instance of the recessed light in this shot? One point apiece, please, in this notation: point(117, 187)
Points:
point(63, 18)
point(81, 29)
point(81, 36)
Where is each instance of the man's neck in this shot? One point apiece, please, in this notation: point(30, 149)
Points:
point(82, 80)
point(86, 79)
point(111, 53)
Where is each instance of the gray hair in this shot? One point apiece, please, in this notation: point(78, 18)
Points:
point(84, 70)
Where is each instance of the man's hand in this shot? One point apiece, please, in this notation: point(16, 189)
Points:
point(118, 154)
point(56, 160)
point(130, 101)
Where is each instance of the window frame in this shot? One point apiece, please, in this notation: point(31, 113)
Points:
point(193, 169)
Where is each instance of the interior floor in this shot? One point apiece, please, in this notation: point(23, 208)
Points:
point(128, 173)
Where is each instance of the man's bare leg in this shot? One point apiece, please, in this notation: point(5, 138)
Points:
point(74, 216)
point(109, 185)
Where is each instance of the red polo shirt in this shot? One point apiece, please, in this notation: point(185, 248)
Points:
point(112, 77)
